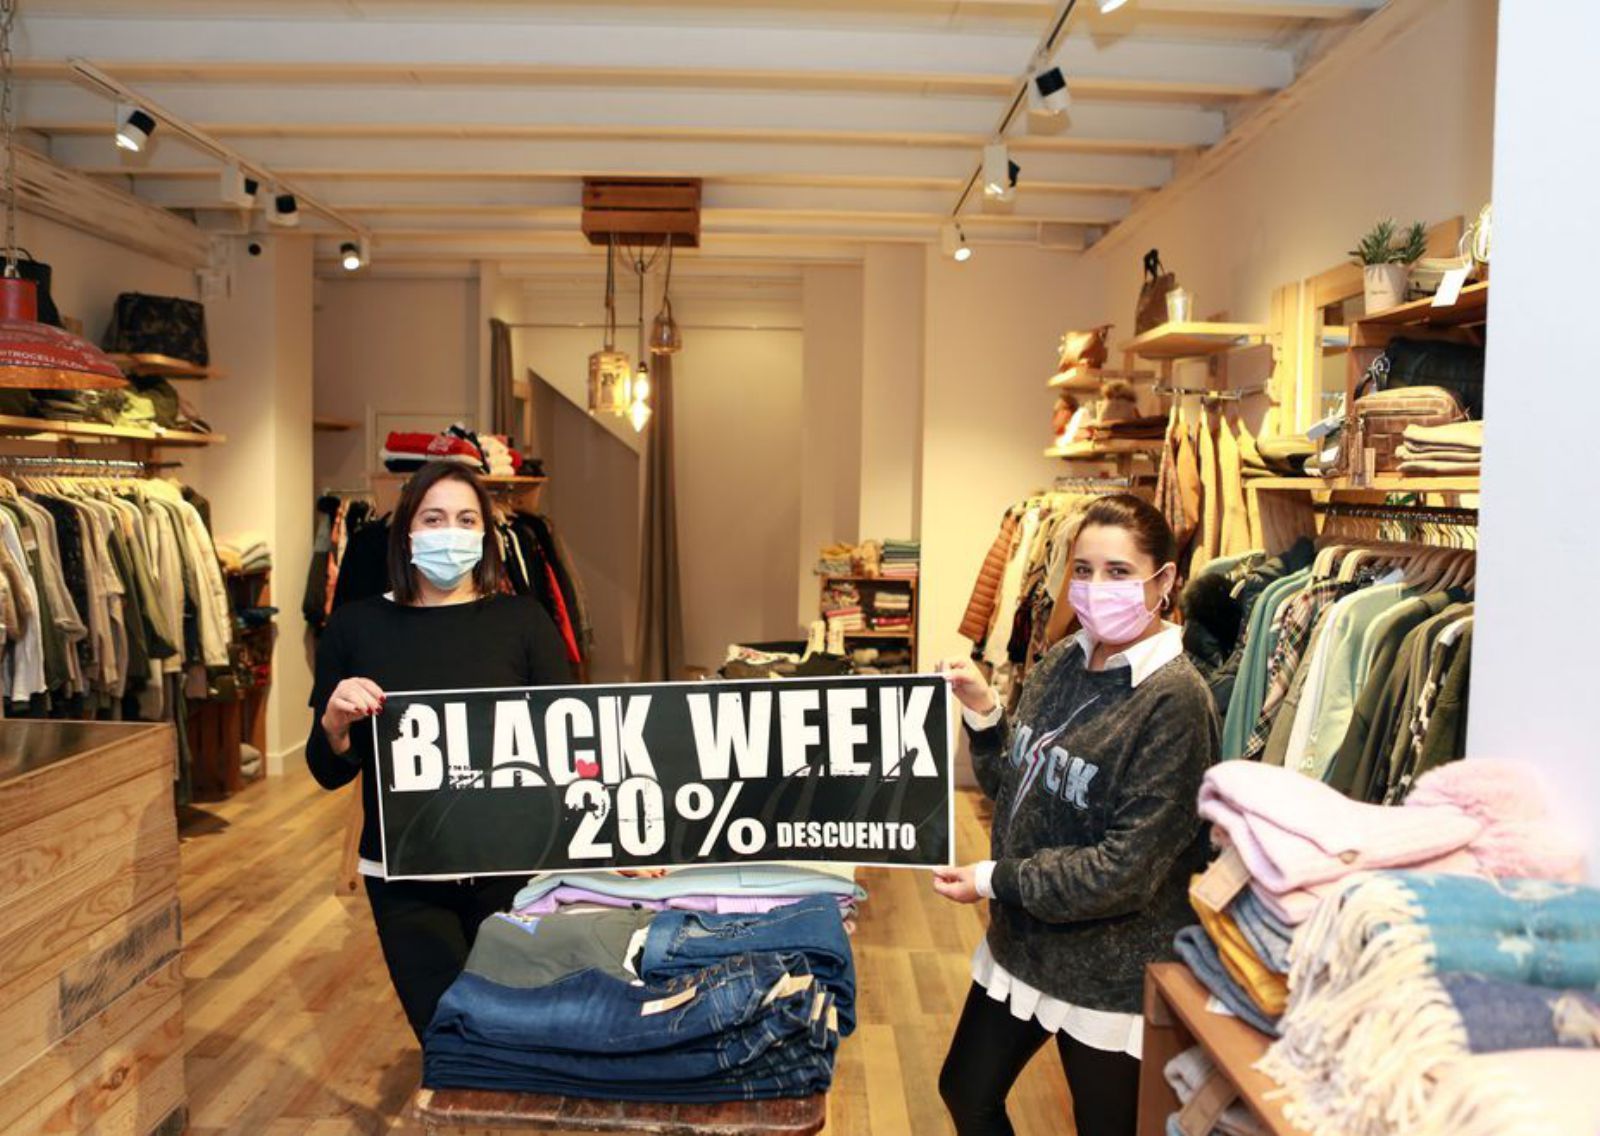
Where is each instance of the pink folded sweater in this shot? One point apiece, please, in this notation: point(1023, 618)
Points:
point(1295, 833)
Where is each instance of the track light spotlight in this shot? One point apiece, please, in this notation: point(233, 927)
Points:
point(963, 250)
point(1000, 173)
point(953, 242)
point(134, 127)
point(1048, 93)
point(355, 254)
point(1108, 6)
point(285, 210)
point(238, 188)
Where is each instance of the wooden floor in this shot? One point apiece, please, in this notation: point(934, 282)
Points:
point(291, 1027)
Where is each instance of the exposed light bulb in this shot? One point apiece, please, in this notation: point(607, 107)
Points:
point(639, 415)
point(1108, 6)
point(349, 256)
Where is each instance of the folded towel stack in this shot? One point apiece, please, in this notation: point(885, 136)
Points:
point(902, 559)
point(1453, 449)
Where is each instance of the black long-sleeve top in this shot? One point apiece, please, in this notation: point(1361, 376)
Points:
point(496, 642)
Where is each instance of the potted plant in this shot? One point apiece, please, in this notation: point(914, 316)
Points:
point(1386, 256)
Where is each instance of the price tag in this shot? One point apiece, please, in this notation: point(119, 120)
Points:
point(662, 1005)
point(1450, 287)
point(1223, 881)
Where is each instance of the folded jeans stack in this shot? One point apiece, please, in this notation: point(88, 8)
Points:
point(723, 890)
point(1453, 449)
point(631, 1005)
point(1403, 977)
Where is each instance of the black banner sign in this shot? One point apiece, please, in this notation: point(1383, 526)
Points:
point(486, 782)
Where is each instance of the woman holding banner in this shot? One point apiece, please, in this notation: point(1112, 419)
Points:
point(1095, 835)
point(447, 624)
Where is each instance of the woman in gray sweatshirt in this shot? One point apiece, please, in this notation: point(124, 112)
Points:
point(1094, 781)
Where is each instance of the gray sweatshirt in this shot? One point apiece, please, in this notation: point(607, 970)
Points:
point(1095, 783)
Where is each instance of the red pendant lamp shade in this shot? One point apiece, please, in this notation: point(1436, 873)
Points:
point(38, 356)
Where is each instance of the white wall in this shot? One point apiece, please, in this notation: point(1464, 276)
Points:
point(1534, 663)
point(1403, 131)
point(390, 346)
point(891, 390)
point(261, 479)
point(992, 325)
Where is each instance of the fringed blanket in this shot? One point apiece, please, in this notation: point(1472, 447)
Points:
point(1532, 1092)
point(1378, 1007)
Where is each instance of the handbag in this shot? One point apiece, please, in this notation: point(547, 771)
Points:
point(1085, 348)
point(39, 272)
point(1382, 418)
point(1406, 363)
point(159, 325)
point(1152, 310)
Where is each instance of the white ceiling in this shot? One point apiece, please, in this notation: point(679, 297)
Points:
point(461, 131)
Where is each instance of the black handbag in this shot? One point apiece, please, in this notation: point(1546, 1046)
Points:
point(1456, 367)
point(159, 325)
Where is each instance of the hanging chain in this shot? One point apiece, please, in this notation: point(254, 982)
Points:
point(611, 289)
point(8, 125)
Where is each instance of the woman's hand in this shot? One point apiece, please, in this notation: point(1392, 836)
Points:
point(969, 686)
point(958, 884)
point(351, 701)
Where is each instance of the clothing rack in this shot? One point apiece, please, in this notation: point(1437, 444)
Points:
point(99, 466)
point(1098, 484)
point(1429, 514)
point(1206, 394)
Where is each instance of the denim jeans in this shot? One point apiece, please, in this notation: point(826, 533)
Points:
point(588, 1035)
point(682, 942)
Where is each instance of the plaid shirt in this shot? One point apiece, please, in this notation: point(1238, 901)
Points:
point(1294, 635)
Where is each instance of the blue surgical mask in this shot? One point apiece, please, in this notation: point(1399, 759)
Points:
point(445, 556)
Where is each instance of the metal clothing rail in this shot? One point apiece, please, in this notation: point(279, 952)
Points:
point(1101, 484)
point(97, 465)
point(1206, 394)
point(1428, 514)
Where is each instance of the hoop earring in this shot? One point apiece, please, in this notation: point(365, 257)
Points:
point(1166, 601)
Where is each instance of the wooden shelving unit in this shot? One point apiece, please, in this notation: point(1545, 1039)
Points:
point(164, 367)
point(1195, 340)
point(47, 429)
point(522, 494)
point(1471, 308)
point(1383, 483)
point(1093, 378)
point(1176, 1019)
point(873, 583)
point(1106, 451)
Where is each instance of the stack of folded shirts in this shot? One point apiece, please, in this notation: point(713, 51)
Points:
point(633, 1005)
point(247, 552)
point(840, 595)
point(1297, 841)
point(1401, 978)
point(1274, 457)
point(846, 619)
point(406, 453)
point(836, 560)
point(901, 559)
point(891, 602)
point(891, 623)
point(724, 890)
point(498, 456)
point(1456, 448)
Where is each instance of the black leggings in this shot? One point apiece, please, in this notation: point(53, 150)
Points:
point(989, 1052)
point(426, 928)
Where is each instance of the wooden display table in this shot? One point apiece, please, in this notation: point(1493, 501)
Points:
point(1176, 1019)
point(91, 1020)
point(464, 1112)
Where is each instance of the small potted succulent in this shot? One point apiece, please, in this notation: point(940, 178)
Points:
point(1386, 255)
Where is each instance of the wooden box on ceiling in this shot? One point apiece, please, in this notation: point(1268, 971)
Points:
point(642, 211)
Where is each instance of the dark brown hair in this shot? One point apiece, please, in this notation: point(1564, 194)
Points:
point(489, 574)
point(1151, 533)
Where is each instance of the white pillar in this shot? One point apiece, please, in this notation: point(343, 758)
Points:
point(891, 391)
point(1536, 651)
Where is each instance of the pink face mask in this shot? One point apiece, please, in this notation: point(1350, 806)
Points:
point(1113, 611)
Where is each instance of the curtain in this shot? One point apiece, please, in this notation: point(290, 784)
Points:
point(503, 413)
point(659, 642)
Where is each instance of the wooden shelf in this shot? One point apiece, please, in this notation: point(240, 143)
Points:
point(46, 429)
point(1384, 483)
point(334, 425)
point(164, 367)
point(1176, 1017)
point(910, 580)
point(1471, 307)
point(1091, 378)
point(1193, 340)
point(879, 634)
point(1095, 451)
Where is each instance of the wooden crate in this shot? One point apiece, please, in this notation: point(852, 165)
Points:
point(91, 1019)
point(642, 211)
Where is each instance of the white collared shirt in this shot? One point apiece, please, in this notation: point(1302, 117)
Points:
point(1099, 1029)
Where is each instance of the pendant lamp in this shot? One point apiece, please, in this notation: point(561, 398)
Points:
point(665, 338)
point(33, 354)
point(639, 411)
point(610, 377)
